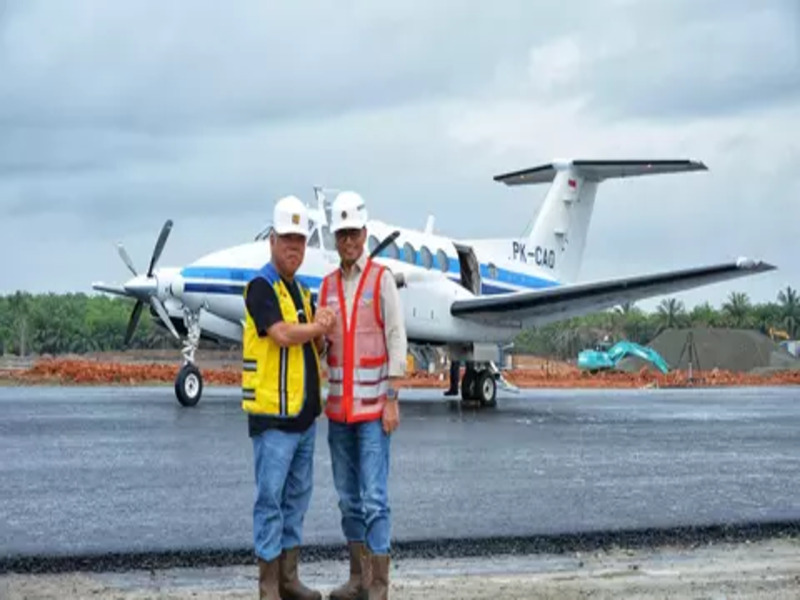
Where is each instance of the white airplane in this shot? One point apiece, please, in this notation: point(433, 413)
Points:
point(467, 296)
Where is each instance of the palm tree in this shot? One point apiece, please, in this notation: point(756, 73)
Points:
point(790, 309)
point(704, 315)
point(737, 308)
point(670, 313)
point(20, 307)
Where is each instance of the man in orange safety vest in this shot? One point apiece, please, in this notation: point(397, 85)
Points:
point(366, 351)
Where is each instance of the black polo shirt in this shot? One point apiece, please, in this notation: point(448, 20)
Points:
point(263, 307)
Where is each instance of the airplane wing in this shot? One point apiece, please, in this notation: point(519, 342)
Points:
point(564, 302)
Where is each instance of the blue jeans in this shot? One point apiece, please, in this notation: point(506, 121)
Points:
point(360, 461)
point(284, 466)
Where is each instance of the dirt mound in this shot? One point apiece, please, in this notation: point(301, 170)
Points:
point(85, 372)
point(738, 350)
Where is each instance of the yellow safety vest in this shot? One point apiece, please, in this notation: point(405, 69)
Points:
point(273, 377)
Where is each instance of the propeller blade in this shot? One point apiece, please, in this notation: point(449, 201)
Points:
point(110, 289)
point(162, 313)
point(126, 259)
point(134, 321)
point(162, 240)
point(386, 241)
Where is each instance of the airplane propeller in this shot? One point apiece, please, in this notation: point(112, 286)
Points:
point(386, 241)
point(146, 287)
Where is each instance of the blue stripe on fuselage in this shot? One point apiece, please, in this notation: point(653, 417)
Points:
point(231, 280)
point(220, 280)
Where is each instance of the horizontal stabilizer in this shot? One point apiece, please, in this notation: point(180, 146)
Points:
point(599, 170)
point(564, 302)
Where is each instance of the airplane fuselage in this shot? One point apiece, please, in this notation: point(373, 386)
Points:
point(469, 295)
point(437, 265)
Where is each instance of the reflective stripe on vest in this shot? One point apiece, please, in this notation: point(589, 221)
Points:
point(358, 363)
point(273, 376)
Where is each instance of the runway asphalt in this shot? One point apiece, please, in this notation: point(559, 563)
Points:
point(94, 470)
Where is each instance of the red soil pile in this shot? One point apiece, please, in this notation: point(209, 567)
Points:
point(544, 374)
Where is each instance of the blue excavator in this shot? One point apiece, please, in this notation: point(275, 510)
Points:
point(605, 357)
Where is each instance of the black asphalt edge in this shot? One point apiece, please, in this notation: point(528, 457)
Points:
point(442, 548)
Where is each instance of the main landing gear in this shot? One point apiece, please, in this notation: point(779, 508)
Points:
point(479, 384)
point(189, 382)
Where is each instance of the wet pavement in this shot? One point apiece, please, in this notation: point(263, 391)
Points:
point(94, 470)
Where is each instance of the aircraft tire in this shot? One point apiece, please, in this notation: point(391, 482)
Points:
point(469, 387)
point(486, 388)
point(189, 385)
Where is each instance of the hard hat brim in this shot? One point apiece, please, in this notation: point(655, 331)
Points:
point(290, 229)
point(349, 224)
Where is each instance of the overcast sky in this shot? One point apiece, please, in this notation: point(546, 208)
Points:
point(115, 116)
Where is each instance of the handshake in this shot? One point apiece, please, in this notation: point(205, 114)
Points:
point(326, 318)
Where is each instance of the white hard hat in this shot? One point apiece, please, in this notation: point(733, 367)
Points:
point(290, 216)
point(348, 212)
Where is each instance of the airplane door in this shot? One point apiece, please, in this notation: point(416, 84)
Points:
point(470, 269)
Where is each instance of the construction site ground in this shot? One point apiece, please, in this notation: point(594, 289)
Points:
point(700, 357)
point(762, 569)
point(223, 368)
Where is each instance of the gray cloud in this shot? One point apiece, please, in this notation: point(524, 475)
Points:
point(671, 60)
point(190, 65)
point(116, 116)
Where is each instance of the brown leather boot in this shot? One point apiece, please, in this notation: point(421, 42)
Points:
point(379, 582)
point(352, 589)
point(268, 580)
point(290, 586)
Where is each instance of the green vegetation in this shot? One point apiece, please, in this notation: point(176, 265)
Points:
point(80, 323)
point(565, 339)
point(72, 323)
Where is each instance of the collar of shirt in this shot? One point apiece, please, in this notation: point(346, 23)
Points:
point(361, 264)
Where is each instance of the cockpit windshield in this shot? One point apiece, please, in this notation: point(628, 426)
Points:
point(264, 233)
point(313, 240)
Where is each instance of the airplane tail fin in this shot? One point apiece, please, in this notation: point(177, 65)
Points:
point(558, 236)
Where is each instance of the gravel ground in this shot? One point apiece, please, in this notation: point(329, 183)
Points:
point(764, 569)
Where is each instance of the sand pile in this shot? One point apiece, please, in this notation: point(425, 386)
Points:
point(738, 350)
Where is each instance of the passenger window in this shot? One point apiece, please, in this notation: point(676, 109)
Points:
point(409, 255)
point(372, 243)
point(427, 257)
point(313, 241)
point(443, 261)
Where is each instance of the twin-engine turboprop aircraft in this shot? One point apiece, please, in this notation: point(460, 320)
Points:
point(468, 296)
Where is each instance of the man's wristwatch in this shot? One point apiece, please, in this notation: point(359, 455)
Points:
point(391, 394)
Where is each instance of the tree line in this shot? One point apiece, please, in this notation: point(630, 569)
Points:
point(565, 339)
point(78, 323)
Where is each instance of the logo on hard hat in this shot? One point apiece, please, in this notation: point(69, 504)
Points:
point(344, 214)
point(295, 219)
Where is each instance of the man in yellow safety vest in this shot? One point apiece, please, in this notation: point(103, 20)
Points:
point(283, 335)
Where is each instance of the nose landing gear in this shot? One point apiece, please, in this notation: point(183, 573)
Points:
point(189, 382)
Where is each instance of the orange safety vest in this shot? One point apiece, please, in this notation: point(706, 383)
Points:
point(358, 362)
